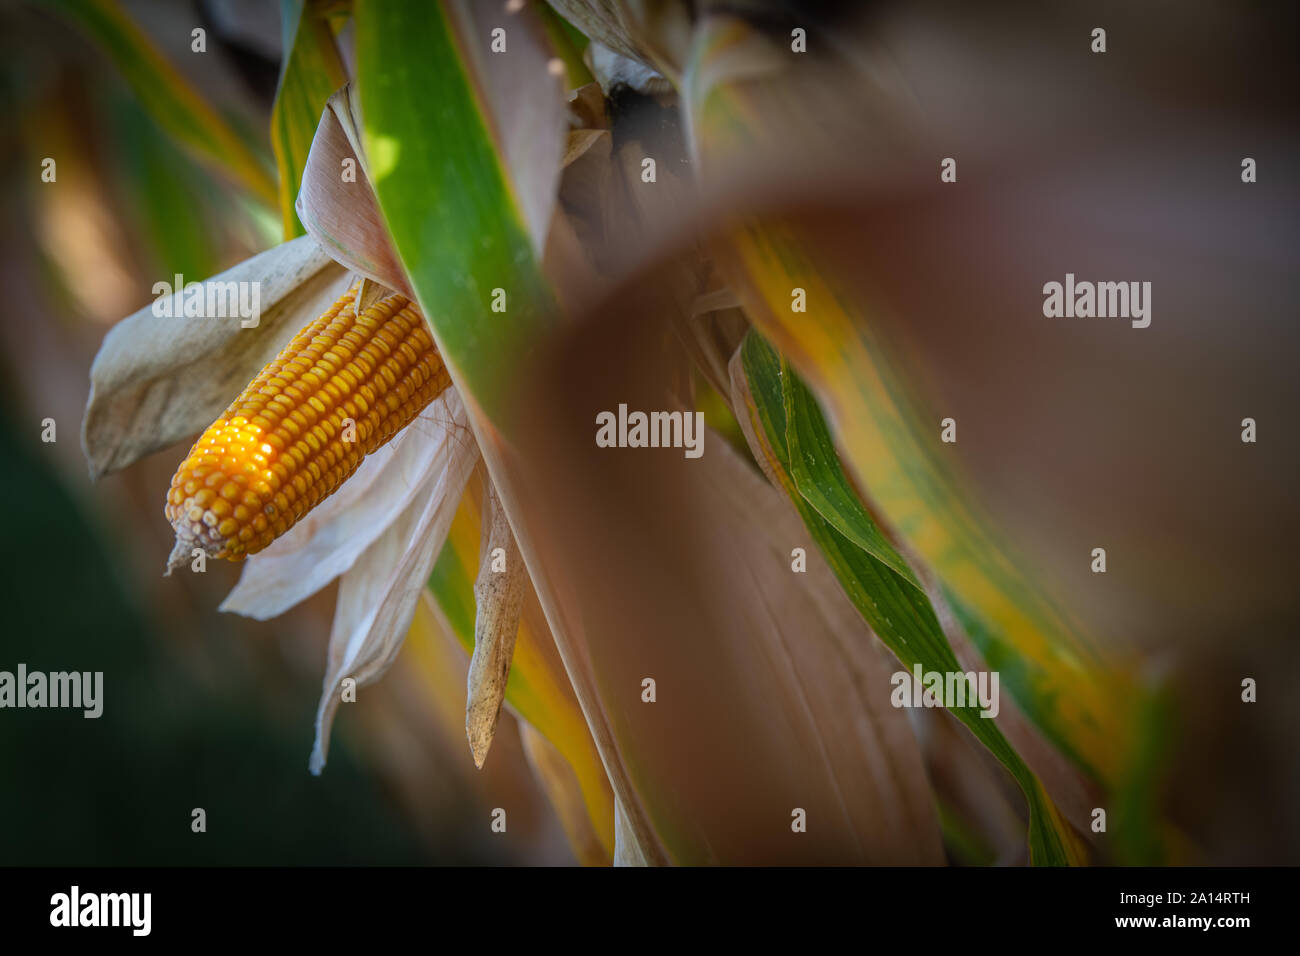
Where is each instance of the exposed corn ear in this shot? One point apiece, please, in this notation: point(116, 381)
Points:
point(341, 389)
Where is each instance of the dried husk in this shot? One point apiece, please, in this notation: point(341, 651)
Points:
point(329, 540)
point(378, 594)
point(158, 380)
point(499, 599)
point(342, 214)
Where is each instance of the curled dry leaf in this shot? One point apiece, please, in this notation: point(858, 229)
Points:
point(328, 541)
point(579, 141)
point(499, 597)
point(336, 203)
point(587, 109)
point(378, 594)
point(158, 380)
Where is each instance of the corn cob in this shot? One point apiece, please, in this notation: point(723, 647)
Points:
point(281, 447)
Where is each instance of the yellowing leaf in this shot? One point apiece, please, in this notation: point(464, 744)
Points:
point(1072, 695)
point(312, 70)
point(538, 689)
point(466, 179)
point(742, 104)
point(770, 401)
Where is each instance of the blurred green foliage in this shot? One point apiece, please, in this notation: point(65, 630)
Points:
point(120, 789)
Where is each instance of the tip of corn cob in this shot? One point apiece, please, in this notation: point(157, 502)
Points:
point(340, 390)
point(180, 554)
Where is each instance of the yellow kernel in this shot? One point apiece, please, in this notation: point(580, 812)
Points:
point(276, 453)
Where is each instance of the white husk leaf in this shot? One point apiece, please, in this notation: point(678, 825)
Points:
point(158, 380)
point(328, 541)
point(656, 33)
point(378, 595)
point(344, 216)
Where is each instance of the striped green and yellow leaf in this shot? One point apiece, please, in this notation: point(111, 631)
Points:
point(466, 216)
point(742, 102)
point(168, 96)
point(786, 426)
point(311, 71)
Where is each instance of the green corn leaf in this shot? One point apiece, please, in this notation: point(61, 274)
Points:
point(1081, 702)
point(465, 209)
point(456, 208)
point(172, 101)
point(569, 43)
point(457, 215)
point(311, 71)
point(815, 469)
point(170, 194)
point(748, 98)
point(966, 846)
point(890, 601)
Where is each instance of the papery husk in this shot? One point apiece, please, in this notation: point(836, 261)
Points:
point(378, 594)
point(330, 538)
point(369, 292)
point(344, 217)
point(157, 381)
point(499, 600)
point(614, 70)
